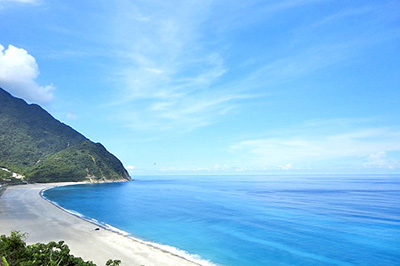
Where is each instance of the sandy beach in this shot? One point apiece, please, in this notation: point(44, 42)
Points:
point(23, 209)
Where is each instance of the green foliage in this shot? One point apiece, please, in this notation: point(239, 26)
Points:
point(28, 133)
point(15, 252)
point(7, 178)
point(88, 160)
point(43, 149)
point(4, 261)
point(111, 262)
point(5, 174)
point(13, 248)
point(53, 254)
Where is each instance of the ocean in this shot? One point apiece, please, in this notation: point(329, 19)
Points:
point(252, 220)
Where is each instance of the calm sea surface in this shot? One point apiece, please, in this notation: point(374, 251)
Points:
point(253, 220)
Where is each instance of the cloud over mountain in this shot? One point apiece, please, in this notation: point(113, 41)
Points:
point(18, 73)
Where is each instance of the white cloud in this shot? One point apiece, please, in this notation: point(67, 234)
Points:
point(175, 59)
point(312, 151)
point(130, 167)
point(287, 166)
point(18, 71)
point(169, 74)
point(179, 113)
point(380, 160)
point(347, 13)
point(216, 168)
point(71, 116)
point(23, 1)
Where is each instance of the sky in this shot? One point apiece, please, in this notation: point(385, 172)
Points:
point(215, 86)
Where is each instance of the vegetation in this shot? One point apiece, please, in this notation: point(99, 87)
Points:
point(90, 160)
point(5, 174)
point(15, 252)
point(35, 144)
point(6, 177)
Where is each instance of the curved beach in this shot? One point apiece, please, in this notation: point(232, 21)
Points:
point(23, 209)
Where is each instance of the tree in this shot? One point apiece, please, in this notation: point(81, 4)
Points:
point(12, 248)
point(15, 252)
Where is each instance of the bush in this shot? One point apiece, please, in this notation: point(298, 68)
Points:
point(15, 252)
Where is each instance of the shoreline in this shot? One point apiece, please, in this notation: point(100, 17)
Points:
point(83, 240)
point(105, 226)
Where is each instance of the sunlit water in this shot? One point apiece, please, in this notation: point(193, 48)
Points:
point(253, 220)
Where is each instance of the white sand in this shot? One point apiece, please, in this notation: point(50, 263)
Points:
point(22, 209)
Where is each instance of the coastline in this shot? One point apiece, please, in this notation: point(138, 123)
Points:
point(23, 208)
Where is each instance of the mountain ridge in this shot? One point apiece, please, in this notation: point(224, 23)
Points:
point(35, 144)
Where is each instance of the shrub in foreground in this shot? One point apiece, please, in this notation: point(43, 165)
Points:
point(15, 252)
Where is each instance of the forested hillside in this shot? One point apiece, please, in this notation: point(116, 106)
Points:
point(43, 149)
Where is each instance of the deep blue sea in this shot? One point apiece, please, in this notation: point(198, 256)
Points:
point(253, 220)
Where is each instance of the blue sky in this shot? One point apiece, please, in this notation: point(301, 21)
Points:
point(215, 87)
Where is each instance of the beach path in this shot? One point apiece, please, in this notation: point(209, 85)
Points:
point(23, 209)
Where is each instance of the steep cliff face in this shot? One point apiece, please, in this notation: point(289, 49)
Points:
point(35, 144)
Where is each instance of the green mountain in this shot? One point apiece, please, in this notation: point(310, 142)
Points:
point(36, 145)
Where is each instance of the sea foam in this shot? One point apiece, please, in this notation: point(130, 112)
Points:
point(165, 248)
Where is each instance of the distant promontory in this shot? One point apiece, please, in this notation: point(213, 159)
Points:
point(36, 147)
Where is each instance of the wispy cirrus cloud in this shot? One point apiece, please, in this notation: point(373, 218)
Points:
point(343, 14)
point(172, 74)
point(168, 73)
point(4, 4)
point(238, 15)
point(183, 115)
point(299, 64)
point(22, 1)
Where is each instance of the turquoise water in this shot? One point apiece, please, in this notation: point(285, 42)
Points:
point(253, 220)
